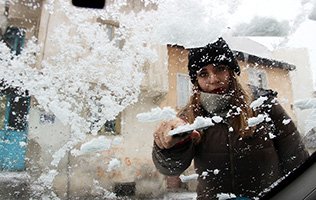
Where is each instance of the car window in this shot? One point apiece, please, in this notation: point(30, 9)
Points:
point(85, 91)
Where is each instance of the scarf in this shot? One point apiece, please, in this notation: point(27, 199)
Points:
point(215, 103)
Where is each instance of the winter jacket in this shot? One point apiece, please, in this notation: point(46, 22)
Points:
point(227, 163)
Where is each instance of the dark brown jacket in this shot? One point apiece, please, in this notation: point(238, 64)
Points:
point(245, 166)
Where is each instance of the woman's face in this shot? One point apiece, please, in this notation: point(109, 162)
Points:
point(213, 79)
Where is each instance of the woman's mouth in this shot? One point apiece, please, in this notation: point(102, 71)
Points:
point(218, 91)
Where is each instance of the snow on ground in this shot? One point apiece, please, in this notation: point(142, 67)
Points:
point(14, 177)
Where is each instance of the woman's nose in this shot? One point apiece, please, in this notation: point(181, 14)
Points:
point(212, 78)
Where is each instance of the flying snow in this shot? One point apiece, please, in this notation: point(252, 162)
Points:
point(157, 114)
point(258, 102)
point(114, 164)
point(188, 178)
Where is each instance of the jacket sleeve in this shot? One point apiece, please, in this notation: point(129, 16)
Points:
point(288, 142)
point(173, 161)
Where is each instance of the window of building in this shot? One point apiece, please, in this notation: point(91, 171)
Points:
point(14, 37)
point(257, 78)
point(3, 102)
point(13, 112)
point(111, 127)
point(184, 89)
point(110, 28)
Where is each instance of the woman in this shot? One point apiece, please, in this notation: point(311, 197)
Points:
point(247, 157)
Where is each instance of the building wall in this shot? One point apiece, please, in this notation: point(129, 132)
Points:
point(301, 78)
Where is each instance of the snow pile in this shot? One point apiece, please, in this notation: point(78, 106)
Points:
point(199, 123)
point(157, 114)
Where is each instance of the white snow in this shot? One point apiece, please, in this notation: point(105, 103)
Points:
point(101, 143)
point(96, 144)
point(14, 177)
point(157, 114)
point(204, 174)
point(224, 196)
point(98, 190)
point(253, 121)
point(199, 122)
point(286, 121)
point(217, 119)
point(113, 164)
point(258, 102)
point(188, 178)
point(271, 135)
point(216, 171)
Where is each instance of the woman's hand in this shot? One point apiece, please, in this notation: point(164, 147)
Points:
point(161, 136)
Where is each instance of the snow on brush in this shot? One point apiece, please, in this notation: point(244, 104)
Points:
point(199, 122)
point(258, 102)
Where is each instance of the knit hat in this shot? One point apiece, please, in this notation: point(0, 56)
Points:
point(217, 53)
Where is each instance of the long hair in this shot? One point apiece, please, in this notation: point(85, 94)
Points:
point(241, 99)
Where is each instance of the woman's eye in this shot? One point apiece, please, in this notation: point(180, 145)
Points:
point(202, 75)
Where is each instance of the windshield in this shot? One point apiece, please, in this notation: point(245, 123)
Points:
point(88, 97)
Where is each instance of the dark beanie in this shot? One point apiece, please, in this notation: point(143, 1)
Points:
point(217, 53)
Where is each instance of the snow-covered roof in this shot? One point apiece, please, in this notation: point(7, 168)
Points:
point(263, 61)
point(250, 58)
